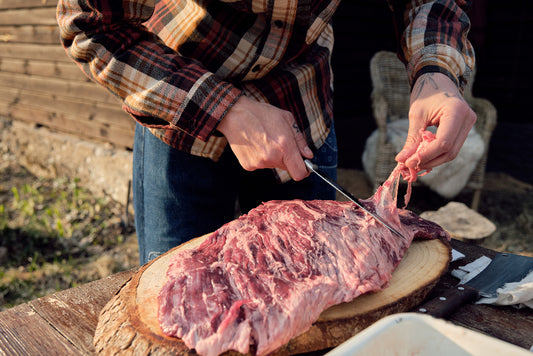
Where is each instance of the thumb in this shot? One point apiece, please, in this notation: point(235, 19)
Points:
point(412, 142)
point(408, 149)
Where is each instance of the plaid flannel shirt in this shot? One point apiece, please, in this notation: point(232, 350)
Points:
point(179, 66)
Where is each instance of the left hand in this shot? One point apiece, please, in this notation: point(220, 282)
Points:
point(436, 101)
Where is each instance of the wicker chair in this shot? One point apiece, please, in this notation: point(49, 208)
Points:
point(390, 101)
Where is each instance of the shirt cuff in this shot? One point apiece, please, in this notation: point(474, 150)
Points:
point(442, 59)
point(205, 104)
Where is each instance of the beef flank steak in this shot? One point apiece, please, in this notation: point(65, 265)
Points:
point(264, 278)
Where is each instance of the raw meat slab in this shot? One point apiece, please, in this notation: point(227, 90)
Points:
point(129, 322)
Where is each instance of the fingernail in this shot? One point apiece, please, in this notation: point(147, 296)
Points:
point(308, 151)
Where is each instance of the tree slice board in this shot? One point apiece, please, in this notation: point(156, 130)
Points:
point(128, 324)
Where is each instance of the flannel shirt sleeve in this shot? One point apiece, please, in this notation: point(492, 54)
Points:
point(432, 37)
point(157, 86)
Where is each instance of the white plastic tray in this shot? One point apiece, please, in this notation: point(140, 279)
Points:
point(418, 334)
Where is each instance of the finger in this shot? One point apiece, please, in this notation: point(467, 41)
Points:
point(293, 160)
point(446, 146)
point(296, 168)
point(294, 163)
point(432, 154)
point(414, 137)
point(427, 166)
point(300, 138)
point(409, 148)
point(417, 125)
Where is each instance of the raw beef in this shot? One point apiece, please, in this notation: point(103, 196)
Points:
point(264, 278)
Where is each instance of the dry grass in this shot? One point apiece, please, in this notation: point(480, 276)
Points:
point(55, 235)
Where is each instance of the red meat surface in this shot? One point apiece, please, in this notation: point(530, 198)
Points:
point(264, 278)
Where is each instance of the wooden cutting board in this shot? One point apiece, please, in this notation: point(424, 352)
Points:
point(129, 323)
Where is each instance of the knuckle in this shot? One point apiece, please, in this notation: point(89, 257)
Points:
point(287, 115)
point(445, 146)
point(247, 166)
point(472, 117)
point(452, 155)
point(415, 111)
point(284, 145)
point(269, 159)
point(411, 140)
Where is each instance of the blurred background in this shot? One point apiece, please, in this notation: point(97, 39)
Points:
point(504, 51)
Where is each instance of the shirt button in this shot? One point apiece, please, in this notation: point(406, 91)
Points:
point(278, 23)
point(256, 68)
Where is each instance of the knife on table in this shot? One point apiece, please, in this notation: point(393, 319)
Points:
point(314, 168)
point(504, 268)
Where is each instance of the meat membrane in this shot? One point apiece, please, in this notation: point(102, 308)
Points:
point(409, 174)
point(264, 278)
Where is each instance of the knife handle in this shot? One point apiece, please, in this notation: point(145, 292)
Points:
point(449, 301)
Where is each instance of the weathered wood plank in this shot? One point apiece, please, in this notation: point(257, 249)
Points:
point(35, 16)
point(32, 51)
point(71, 324)
point(505, 323)
point(43, 34)
point(90, 298)
point(18, 4)
point(60, 70)
point(74, 312)
point(24, 332)
point(118, 136)
point(80, 109)
point(76, 89)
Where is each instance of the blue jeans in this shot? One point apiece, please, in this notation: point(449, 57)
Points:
point(178, 196)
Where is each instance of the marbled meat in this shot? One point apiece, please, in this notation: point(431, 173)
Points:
point(264, 278)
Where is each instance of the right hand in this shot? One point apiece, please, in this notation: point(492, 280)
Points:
point(436, 101)
point(264, 136)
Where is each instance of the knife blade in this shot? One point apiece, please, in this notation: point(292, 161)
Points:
point(504, 268)
point(314, 168)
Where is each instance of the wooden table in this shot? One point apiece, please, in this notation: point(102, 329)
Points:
point(64, 323)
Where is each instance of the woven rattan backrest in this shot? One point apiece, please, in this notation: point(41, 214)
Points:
point(389, 80)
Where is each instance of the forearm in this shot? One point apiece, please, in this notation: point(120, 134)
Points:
point(432, 37)
point(158, 87)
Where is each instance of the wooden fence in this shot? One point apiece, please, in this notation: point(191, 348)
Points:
point(39, 84)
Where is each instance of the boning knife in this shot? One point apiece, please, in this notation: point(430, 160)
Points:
point(313, 168)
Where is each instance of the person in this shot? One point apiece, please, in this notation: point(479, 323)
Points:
point(230, 97)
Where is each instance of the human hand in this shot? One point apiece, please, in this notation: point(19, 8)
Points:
point(436, 101)
point(264, 136)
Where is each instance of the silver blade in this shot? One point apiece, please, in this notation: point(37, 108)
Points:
point(313, 168)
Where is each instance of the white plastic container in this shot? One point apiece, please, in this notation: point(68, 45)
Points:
point(413, 334)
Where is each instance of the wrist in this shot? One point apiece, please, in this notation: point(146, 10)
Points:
point(234, 112)
point(433, 83)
